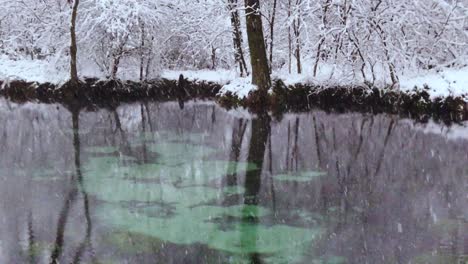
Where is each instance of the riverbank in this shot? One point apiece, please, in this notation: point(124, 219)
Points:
point(416, 104)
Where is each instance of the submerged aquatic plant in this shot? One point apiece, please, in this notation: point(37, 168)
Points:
point(132, 243)
point(304, 176)
point(193, 225)
point(233, 190)
point(172, 200)
point(102, 150)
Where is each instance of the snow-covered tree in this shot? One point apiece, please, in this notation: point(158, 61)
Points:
point(368, 40)
point(200, 35)
point(114, 30)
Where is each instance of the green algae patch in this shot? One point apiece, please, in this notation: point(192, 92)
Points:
point(236, 167)
point(233, 190)
point(210, 212)
point(102, 150)
point(177, 216)
point(305, 176)
point(151, 209)
point(171, 201)
point(183, 175)
point(247, 211)
point(132, 243)
point(106, 166)
point(187, 226)
point(202, 173)
point(109, 167)
point(109, 179)
point(50, 175)
point(176, 153)
point(150, 136)
point(194, 225)
point(246, 238)
point(111, 190)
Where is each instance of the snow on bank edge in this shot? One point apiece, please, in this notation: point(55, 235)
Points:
point(449, 82)
point(231, 82)
point(241, 87)
point(441, 83)
point(219, 76)
point(30, 70)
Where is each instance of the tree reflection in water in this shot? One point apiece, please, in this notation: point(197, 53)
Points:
point(261, 130)
point(393, 189)
point(75, 188)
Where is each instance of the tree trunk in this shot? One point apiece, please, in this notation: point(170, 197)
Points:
point(289, 40)
point(115, 67)
point(258, 57)
point(261, 130)
point(376, 26)
point(150, 58)
point(73, 47)
point(322, 36)
point(237, 37)
point(117, 57)
point(297, 35)
point(142, 52)
point(213, 58)
point(297, 52)
point(272, 33)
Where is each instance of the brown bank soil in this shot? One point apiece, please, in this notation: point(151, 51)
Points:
point(416, 104)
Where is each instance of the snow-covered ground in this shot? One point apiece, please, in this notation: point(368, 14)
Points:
point(218, 76)
point(41, 71)
point(30, 70)
point(441, 83)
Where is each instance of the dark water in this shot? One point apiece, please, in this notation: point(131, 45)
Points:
point(150, 183)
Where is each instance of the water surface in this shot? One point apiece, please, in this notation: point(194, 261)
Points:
point(153, 183)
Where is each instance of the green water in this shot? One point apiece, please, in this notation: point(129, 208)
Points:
point(174, 198)
point(152, 183)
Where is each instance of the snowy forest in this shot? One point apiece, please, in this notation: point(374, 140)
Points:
point(331, 41)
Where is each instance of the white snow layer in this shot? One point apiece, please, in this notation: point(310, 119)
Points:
point(240, 87)
point(218, 76)
point(30, 70)
point(229, 79)
point(441, 83)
